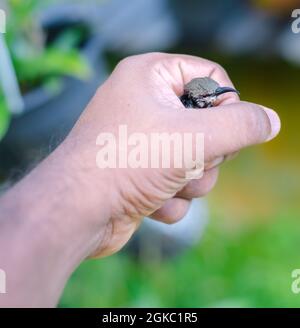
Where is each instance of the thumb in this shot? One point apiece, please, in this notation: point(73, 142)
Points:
point(231, 127)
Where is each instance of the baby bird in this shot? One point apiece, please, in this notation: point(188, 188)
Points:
point(202, 92)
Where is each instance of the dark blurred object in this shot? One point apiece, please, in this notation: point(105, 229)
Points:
point(200, 20)
point(137, 26)
point(282, 7)
point(48, 116)
point(253, 28)
point(143, 25)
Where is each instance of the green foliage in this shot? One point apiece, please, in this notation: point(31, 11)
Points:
point(52, 62)
point(36, 61)
point(245, 269)
point(4, 117)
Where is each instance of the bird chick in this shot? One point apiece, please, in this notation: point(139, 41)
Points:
point(202, 92)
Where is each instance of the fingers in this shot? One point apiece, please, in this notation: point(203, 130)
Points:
point(193, 67)
point(172, 211)
point(177, 70)
point(215, 162)
point(231, 127)
point(200, 187)
point(176, 208)
point(219, 160)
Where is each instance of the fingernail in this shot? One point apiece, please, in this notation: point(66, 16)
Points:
point(274, 121)
point(194, 174)
point(216, 162)
point(231, 156)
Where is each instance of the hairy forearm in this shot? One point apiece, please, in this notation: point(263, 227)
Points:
point(46, 231)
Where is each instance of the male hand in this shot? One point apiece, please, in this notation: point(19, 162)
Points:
point(142, 93)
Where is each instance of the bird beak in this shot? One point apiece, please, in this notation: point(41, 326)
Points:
point(222, 90)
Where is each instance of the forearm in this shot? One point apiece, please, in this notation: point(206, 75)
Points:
point(46, 231)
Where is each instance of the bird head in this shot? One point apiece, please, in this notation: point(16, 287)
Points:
point(203, 92)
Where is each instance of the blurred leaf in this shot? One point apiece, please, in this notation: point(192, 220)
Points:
point(35, 60)
point(4, 118)
point(37, 63)
point(53, 85)
point(53, 62)
point(69, 39)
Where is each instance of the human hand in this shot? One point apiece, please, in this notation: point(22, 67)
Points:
point(142, 93)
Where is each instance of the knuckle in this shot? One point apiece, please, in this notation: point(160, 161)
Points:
point(219, 68)
point(199, 188)
point(143, 58)
point(155, 55)
point(125, 62)
point(139, 62)
point(195, 190)
point(152, 59)
point(175, 217)
point(167, 218)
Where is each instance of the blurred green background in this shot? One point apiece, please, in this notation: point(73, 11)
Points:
point(252, 242)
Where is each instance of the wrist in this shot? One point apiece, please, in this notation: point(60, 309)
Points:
point(50, 222)
point(83, 191)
